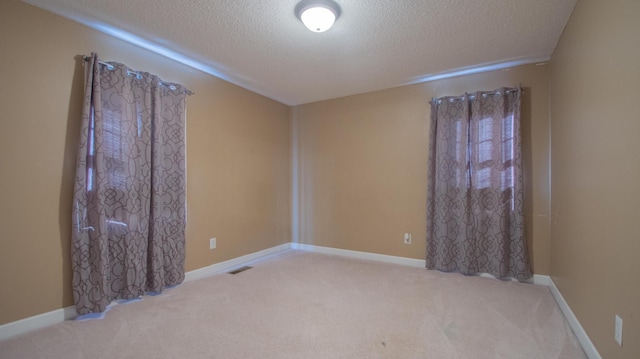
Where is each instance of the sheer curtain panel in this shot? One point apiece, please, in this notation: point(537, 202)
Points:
point(475, 221)
point(129, 199)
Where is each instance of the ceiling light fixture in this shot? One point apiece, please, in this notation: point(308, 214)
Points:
point(317, 15)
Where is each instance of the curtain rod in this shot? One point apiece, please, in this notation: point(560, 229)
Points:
point(484, 94)
point(171, 85)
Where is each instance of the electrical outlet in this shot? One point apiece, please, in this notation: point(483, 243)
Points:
point(618, 331)
point(407, 238)
point(212, 243)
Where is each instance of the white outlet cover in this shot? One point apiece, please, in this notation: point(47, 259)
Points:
point(407, 238)
point(212, 243)
point(618, 331)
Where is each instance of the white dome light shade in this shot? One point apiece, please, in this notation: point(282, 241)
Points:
point(317, 15)
point(318, 19)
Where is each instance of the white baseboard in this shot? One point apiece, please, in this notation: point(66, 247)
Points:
point(36, 322)
point(56, 316)
point(360, 255)
point(538, 279)
point(578, 330)
point(43, 320)
point(233, 263)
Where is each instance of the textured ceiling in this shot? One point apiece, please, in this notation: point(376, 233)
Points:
point(375, 44)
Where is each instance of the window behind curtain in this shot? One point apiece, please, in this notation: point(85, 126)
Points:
point(129, 213)
point(475, 220)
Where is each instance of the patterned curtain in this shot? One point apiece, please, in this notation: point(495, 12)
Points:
point(475, 216)
point(129, 199)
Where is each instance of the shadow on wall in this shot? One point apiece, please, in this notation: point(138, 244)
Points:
point(526, 131)
point(68, 175)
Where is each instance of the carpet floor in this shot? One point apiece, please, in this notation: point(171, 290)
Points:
point(306, 305)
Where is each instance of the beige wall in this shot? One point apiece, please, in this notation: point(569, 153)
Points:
point(237, 157)
point(362, 164)
point(595, 127)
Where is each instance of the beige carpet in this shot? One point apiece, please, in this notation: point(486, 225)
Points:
point(304, 305)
